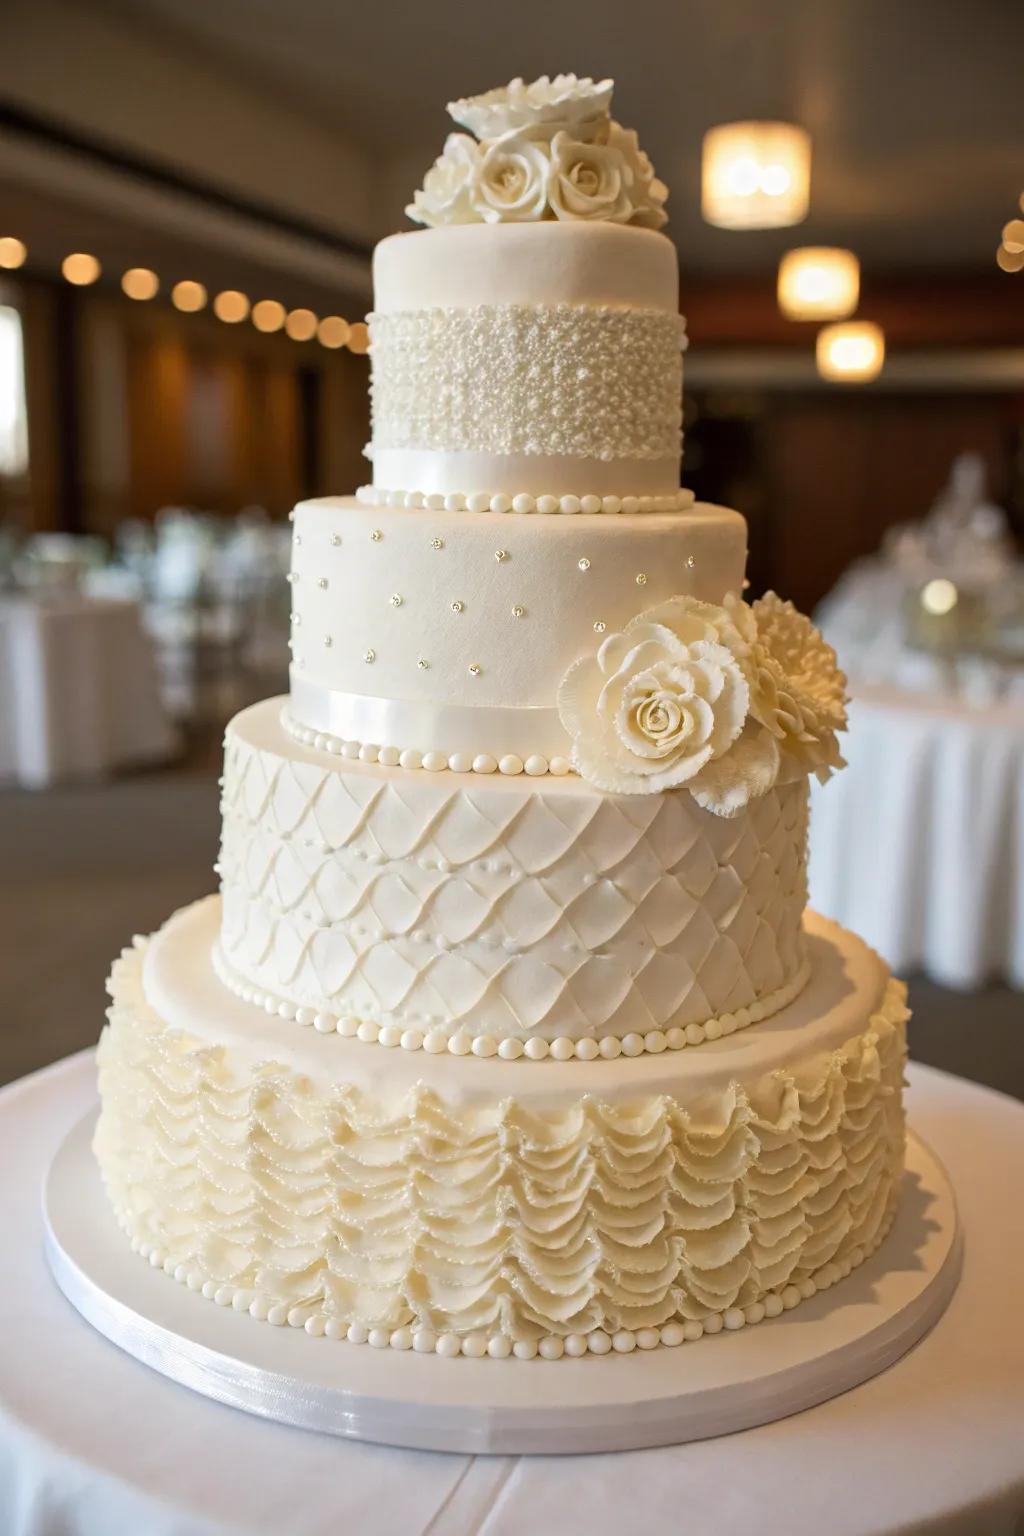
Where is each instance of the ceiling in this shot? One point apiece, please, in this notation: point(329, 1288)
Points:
point(916, 107)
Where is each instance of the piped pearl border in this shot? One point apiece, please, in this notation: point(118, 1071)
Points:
point(436, 1041)
point(498, 1346)
point(522, 501)
point(434, 762)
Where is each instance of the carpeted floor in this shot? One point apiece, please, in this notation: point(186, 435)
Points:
point(82, 869)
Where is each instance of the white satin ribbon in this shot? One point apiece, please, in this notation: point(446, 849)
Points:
point(428, 727)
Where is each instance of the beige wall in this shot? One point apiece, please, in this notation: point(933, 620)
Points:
point(102, 74)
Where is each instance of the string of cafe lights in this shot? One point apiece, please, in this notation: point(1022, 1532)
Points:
point(231, 306)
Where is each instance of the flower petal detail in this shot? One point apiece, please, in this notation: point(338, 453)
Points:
point(747, 771)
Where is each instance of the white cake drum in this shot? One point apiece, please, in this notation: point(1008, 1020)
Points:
point(698, 1390)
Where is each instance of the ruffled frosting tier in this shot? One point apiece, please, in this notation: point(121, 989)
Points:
point(389, 1212)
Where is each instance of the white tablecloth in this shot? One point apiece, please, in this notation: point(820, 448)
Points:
point(94, 1444)
point(78, 689)
point(918, 845)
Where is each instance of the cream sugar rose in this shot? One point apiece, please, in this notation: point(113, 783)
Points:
point(508, 1034)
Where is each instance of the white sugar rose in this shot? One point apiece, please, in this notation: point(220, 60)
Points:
point(648, 193)
point(544, 106)
point(589, 181)
point(799, 693)
point(512, 185)
point(446, 196)
point(660, 702)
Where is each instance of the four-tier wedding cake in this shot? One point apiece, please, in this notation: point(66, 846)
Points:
point(508, 1033)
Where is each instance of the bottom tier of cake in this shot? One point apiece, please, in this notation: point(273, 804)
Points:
point(484, 1207)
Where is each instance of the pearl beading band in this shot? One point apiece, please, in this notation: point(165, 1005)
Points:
point(435, 1041)
point(535, 765)
point(590, 381)
point(498, 1346)
point(521, 502)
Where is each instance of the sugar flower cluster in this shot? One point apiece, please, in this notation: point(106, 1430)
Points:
point(547, 150)
point(724, 700)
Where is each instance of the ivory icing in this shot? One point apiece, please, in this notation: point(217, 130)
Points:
point(459, 580)
point(546, 270)
point(386, 1193)
point(501, 906)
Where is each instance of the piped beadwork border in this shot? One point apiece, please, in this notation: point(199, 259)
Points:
point(535, 766)
point(498, 1346)
point(521, 502)
point(513, 1047)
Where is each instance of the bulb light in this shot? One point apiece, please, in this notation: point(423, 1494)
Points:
point(850, 353)
point(755, 175)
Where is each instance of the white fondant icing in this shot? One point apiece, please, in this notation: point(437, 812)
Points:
point(456, 612)
point(532, 269)
point(562, 1048)
point(500, 903)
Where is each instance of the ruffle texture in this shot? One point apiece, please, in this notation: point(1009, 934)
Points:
point(494, 1218)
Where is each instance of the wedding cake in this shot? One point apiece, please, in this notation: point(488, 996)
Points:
point(508, 1034)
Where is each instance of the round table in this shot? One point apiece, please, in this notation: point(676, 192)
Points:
point(91, 1442)
point(918, 845)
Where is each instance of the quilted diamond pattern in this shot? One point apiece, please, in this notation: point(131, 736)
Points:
point(507, 908)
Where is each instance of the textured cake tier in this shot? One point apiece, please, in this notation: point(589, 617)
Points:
point(483, 1206)
point(527, 358)
point(449, 632)
point(459, 906)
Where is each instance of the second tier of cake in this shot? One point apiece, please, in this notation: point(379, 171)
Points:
point(501, 915)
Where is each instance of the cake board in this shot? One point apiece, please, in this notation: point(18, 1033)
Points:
point(825, 1346)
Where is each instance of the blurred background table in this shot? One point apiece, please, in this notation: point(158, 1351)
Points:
point(919, 844)
point(78, 689)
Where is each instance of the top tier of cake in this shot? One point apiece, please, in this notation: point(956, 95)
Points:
point(531, 360)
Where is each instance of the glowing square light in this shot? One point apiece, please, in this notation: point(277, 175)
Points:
point(756, 175)
point(818, 282)
point(852, 352)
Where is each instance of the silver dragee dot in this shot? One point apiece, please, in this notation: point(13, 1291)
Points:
point(518, 611)
point(322, 583)
point(474, 669)
point(423, 664)
point(396, 600)
point(457, 606)
point(583, 563)
point(500, 555)
point(328, 641)
point(691, 561)
point(376, 536)
point(641, 579)
point(369, 656)
point(437, 543)
point(335, 539)
point(599, 626)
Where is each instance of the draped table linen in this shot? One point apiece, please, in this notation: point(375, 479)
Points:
point(918, 845)
point(78, 690)
point(92, 1442)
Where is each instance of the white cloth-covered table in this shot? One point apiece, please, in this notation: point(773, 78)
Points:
point(918, 845)
point(78, 689)
point(93, 1443)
